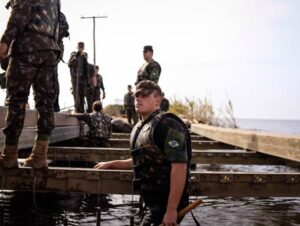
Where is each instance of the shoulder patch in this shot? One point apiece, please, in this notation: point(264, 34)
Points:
point(173, 143)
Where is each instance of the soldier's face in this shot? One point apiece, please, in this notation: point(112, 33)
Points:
point(145, 105)
point(147, 55)
point(80, 49)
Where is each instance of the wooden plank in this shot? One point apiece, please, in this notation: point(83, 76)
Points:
point(239, 157)
point(199, 145)
point(127, 136)
point(220, 184)
point(282, 146)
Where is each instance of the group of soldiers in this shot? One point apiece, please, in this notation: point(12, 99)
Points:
point(86, 81)
point(160, 141)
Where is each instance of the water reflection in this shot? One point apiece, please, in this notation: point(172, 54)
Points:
point(77, 209)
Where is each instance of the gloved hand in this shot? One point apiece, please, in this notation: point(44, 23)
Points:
point(103, 96)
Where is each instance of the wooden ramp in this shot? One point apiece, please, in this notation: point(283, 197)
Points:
point(283, 146)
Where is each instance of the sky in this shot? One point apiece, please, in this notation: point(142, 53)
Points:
point(246, 51)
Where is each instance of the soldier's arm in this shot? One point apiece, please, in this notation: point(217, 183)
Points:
point(116, 164)
point(82, 116)
point(73, 60)
point(18, 20)
point(102, 85)
point(154, 72)
point(177, 183)
point(173, 142)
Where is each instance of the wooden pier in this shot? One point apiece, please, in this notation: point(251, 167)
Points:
point(231, 162)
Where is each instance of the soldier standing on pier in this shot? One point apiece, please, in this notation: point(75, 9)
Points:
point(79, 74)
point(129, 106)
point(151, 69)
point(99, 85)
point(161, 153)
point(34, 54)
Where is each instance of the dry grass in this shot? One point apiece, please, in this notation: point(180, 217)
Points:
point(114, 110)
point(202, 111)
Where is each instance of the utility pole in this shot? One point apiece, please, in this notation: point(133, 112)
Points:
point(94, 31)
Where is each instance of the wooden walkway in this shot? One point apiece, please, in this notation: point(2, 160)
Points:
point(231, 162)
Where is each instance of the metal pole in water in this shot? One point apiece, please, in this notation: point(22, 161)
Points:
point(34, 209)
point(1, 206)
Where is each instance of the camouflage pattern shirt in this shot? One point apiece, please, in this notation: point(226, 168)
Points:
point(30, 26)
point(149, 71)
point(79, 65)
point(99, 124)
point(63, 31)
point(100, 82)
point(129, 101)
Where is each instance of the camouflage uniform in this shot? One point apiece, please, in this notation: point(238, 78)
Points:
point(149, 71)
point(90, 88)
point(100, 128)
point(31, 33)
point(156, 143)
point(99, 86)
point(79, 74)
point(63, 32)
point(129, 108)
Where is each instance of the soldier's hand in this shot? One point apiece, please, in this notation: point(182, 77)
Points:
point(170, 218)
point(103, 96)
point(102, 165)
point(78, 54)
point(3, 50)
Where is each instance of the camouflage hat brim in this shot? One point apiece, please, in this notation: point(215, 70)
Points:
point(144, 92)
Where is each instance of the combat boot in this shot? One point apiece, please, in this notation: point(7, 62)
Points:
point(38, 157)
point(9, 156)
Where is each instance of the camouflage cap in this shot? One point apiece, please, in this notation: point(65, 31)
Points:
point(148, 48)
point(146, 87)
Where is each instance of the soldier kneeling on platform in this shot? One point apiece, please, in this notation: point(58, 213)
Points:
point(99, 124)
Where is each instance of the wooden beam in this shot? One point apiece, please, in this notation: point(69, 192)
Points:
point(282, 146)
point(196, 144)
point(119, 182)
point(239, 157)
point(127, 136)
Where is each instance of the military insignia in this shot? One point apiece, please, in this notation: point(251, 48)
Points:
point(173, 143)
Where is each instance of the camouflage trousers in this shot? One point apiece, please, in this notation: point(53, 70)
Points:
point(79, 86)
point(97, 93)
point(132, 116)
point(90, 98)
point(36, 69)
point(56, 86)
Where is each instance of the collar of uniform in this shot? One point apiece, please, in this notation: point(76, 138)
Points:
point(151, 116)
